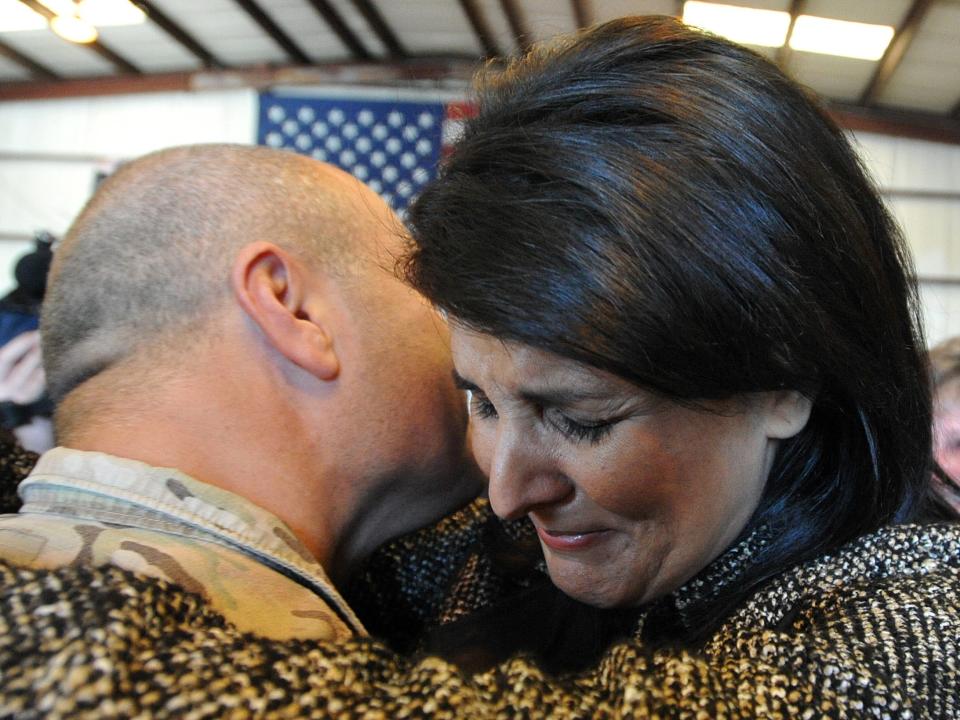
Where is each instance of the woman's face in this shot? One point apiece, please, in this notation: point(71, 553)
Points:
point(630, 494)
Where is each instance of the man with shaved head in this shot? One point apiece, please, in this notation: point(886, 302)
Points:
point(248, 400)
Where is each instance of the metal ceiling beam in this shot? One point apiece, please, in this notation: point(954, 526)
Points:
point(783, 52)
point(90, 87)
point(478, 21)
point(582, 13)
point(336, 23)
point(518, 24)
point(895, 51)
point(275, 32)
point(27, 63)
point(380, 26)
point(353, 74)
point(901, 123)
point(178, 33)
point(925, 126)
point(118, 61)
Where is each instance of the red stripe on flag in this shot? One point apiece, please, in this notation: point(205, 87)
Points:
point(455, 113)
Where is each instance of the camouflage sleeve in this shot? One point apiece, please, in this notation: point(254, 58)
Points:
point(78, 642)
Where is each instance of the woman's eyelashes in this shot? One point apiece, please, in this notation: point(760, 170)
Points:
point(592, 431)
point(479, 405)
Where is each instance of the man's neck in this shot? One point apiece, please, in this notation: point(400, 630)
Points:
point(196, 429)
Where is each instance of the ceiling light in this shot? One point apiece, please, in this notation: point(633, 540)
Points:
point(840, 37)
point(102, 13)
point(740, 24)
point(73, 28)
point(15, 16)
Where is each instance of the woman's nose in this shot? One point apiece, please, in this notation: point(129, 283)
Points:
point(522, 476)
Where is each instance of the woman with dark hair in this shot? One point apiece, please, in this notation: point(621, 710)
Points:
point(689, 332)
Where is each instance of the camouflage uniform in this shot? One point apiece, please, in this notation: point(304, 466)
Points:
point(92, 509)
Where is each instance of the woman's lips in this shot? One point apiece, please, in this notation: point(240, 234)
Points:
point(577, 540)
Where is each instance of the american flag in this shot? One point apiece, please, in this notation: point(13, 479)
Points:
point(393, 146)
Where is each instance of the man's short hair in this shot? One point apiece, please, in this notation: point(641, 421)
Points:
point(149, 256)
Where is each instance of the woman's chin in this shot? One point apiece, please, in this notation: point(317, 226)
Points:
point(612, 570)
point(594, 586)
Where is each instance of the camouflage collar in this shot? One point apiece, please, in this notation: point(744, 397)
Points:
point(115, 490)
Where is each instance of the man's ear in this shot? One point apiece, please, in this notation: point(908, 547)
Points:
point(277, 293)
point(787, 413)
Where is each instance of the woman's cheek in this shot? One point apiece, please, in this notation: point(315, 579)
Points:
point(481, 441)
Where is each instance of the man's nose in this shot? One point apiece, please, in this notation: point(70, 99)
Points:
point(523, 476)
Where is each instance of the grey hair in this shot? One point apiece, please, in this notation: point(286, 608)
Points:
point(148, 258)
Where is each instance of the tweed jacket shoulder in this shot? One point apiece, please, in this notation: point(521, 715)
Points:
point(872, 630)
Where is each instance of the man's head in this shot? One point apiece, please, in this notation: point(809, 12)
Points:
point(232, 310)
point(146, 261)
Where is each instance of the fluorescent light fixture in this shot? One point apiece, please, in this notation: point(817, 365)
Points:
point(740, 24)
point(15, 16)
point(73, 28)
point(840, 37)
point(102, 13)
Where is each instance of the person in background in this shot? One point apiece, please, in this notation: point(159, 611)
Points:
point(25, 407)
point(945, 369)
point(20, 308)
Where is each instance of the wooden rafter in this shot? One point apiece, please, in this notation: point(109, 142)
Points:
point(895, 52)
point(119, 62)
point(518, 24)
point(172, 28)
point(28, 63)
point(582, 13)
point(340, 28)
point(783, 52)
point(478, 21)
point(276, 33)
point(381, 27)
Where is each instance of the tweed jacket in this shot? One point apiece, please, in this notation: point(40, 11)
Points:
point(871, 630)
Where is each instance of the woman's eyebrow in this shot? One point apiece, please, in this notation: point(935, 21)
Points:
point(565, 396)
point(543, 396)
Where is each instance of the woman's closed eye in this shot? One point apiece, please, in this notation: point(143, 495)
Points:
point(592, 431)
point(480, 405)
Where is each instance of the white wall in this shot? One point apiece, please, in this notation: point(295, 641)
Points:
point(931, 224)
point(85, 135)
point(80, 136)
